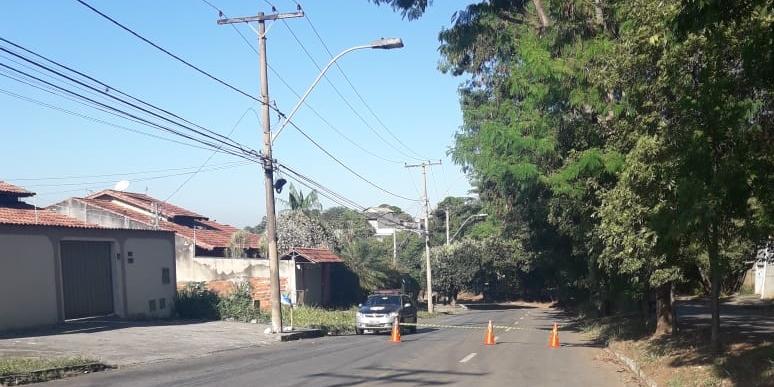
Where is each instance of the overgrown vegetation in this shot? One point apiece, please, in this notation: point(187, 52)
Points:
point(686, 358)
point(24, 365)
point(195, 301)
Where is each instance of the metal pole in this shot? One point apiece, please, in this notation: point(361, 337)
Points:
point(268, 178)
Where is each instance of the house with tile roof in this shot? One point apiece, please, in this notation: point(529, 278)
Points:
point(55, 267)
point(205, 250)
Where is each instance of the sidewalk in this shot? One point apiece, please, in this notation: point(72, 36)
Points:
point(122, 343)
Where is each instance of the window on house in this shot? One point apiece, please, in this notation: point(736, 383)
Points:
point(162, 303)
point(152, 305)
point(165, 275)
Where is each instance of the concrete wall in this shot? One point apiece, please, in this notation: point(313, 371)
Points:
point(27, 282)
point(31, 279)
point(766, 276)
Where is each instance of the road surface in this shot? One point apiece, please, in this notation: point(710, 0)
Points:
point(431, 357)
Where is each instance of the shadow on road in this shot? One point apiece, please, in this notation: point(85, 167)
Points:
point(414, 377)
point(496, 306)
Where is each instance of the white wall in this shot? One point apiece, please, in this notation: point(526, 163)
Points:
point(30, 273)
point(28, 291)
point(144, 277)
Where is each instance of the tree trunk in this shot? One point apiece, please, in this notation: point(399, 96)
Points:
point(714, 261)
point(599, 15)
point(544, 22)
point(664, 322)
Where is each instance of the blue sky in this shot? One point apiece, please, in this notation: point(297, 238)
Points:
point(411, 97)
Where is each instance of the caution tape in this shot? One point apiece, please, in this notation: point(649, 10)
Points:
point(457, 326)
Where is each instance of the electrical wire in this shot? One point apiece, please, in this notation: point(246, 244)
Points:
point(119, 174)
point(179, 59)
point(296, 93)
point(104, 86)
point(214, 152)
point(238, 90)
point(341, 96)
point(352, 86)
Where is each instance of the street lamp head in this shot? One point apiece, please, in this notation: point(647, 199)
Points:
point(387, 43)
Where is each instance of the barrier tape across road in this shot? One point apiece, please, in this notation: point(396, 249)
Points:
point(458, 326)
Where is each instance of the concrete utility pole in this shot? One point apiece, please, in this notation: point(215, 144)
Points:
point(426, 200)
point(447, 225)
point(395, 248)
point(268, 162)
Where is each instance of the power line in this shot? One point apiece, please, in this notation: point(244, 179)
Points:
point(352, 86)
point(91, 183)
point(179, 59)
point(341, 96)
point(90, 118)
point(238, 147)
point(296, 93)
point(238, 90)
point(105, 87)
point(350, 169)
point(179, 187)
point(232, 144)
point(72, 177)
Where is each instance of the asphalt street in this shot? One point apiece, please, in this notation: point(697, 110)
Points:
point(431, 357)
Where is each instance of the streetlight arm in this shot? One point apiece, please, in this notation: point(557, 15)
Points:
point(325, 69)
point(464, 223)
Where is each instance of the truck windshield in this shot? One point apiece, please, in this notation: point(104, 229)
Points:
point(383, 300)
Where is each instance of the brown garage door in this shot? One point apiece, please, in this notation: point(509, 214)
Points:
point(86, 279)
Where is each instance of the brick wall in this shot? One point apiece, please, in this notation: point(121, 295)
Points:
point(260, 286)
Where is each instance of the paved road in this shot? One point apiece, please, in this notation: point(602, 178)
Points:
point(432, 357)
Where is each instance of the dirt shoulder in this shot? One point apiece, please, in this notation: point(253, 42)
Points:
point(685, 358)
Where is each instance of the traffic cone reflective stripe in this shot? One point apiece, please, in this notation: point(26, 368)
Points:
point(489, 338)
point(553, 340)
point(395, 336)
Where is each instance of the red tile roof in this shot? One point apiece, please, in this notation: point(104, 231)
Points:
point(13, 190)
point(319, 255)
point(208, 235)
point(146, 203)
point(40, 217)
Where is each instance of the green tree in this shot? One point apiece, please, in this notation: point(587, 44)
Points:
point(346, 224)
point(297, 201)
point(366, 260)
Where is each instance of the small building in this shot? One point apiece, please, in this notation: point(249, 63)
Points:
point(385, 221)
point(206, 251)
point(315, 270)
point(55, 268)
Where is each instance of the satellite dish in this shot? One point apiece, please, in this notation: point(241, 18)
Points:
point(121, 185)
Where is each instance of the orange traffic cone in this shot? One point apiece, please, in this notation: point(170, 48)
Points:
point(395, 337)
point(489, 338)
point(553, 340)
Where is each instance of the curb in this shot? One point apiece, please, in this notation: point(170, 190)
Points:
point(51, 374)
point(297, 335)
point(634, 367)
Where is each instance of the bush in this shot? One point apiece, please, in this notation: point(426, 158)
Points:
point(239, 304)
point(195, 301)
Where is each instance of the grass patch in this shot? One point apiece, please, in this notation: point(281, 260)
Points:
point(330, 321)
point(24, 365)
